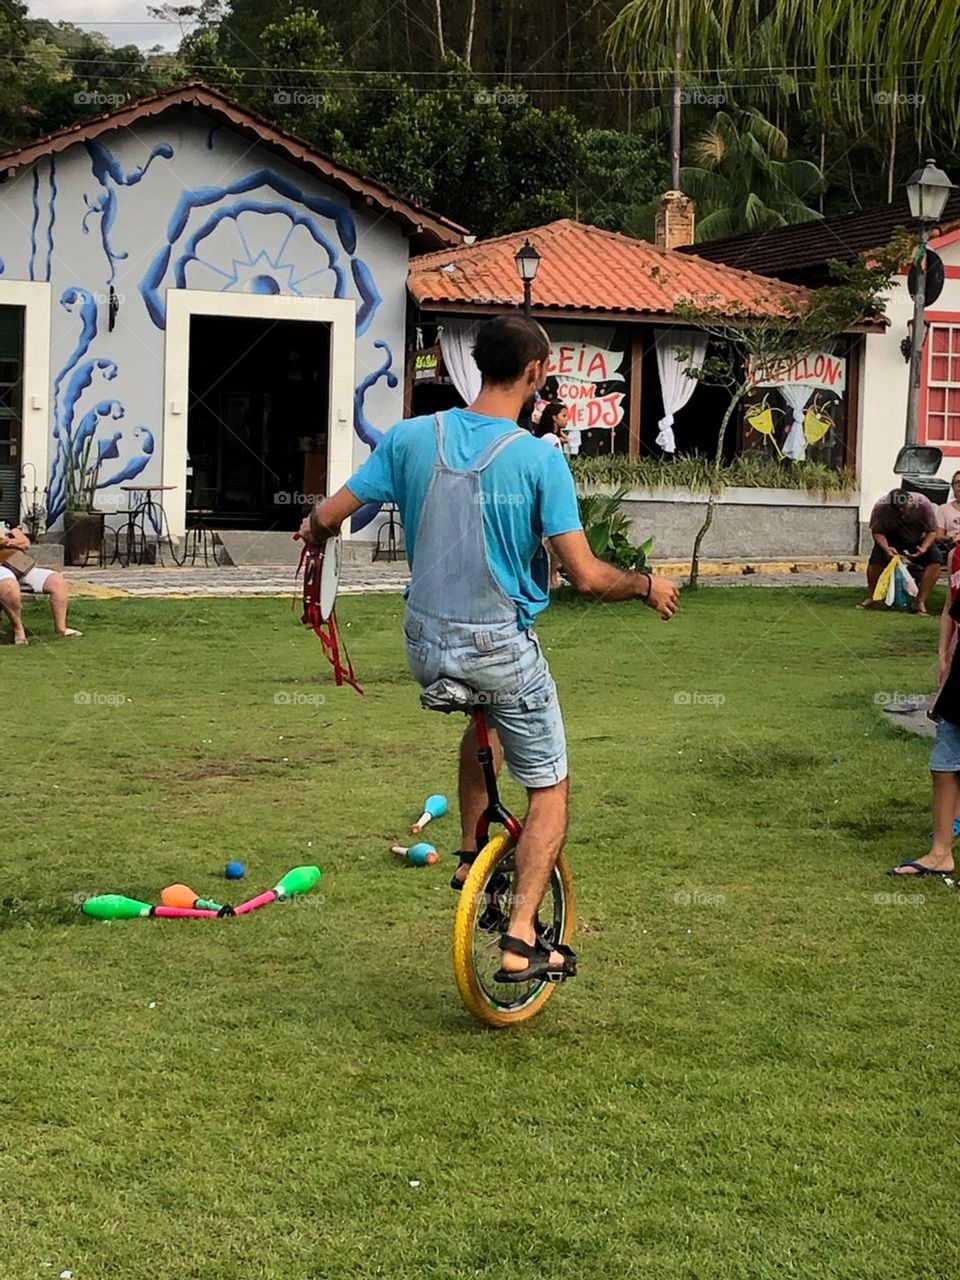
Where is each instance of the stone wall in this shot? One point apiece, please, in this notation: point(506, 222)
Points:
point(759, 524)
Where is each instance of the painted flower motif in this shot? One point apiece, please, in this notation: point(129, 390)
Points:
point(263, 253)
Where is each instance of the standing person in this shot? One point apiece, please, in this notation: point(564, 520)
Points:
point(552, 430)
point(904, 524)
point(945, 757)
point(948, 515)
point(477, 496)
point(17, 567)
point(552, 425)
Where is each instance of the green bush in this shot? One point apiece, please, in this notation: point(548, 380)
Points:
point(694, 472)
point(608, 531)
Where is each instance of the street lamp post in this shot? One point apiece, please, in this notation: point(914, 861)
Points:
point(528, 263)
point(928, 191)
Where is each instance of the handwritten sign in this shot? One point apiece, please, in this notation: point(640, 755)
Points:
point(426, 366)
point(580, 370)
point(820, 370)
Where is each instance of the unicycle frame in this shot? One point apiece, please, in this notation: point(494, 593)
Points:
point(479, 894)
point(496, 810)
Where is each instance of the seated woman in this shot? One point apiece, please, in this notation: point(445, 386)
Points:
point(18, 568)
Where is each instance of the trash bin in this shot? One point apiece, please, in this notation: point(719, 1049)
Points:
point(917, 465)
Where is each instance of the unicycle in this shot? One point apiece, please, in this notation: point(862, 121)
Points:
point(484, 906)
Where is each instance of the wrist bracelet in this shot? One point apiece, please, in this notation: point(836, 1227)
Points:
point(649, 577)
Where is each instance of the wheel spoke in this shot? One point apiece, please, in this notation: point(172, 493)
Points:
point(491, 915)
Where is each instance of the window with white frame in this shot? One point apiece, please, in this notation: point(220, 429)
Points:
point(943, 384)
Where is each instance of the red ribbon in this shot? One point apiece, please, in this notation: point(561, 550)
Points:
point(328, 633)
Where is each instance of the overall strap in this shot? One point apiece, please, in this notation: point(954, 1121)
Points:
point(497, 448)
point(441, 456)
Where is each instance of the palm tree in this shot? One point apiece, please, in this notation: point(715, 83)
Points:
point(742, 180)
point(847, 47)
point(847, 60)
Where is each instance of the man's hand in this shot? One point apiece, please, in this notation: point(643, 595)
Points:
point(603, 581)
point(325, 519)
point(16, 539)
point(664, 597)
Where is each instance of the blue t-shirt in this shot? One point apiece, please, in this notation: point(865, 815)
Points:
point(528, 488)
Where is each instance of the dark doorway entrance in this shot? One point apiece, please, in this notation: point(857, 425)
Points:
point(11, 412)
point(258, 419)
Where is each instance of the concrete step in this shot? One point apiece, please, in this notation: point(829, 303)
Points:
point(48, 555)
point(276, 547)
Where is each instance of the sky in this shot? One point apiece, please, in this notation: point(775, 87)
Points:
point(122, 21)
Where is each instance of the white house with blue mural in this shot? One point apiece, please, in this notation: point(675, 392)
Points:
point(192, 297)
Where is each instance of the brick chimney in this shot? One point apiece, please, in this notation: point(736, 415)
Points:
point(675, 219)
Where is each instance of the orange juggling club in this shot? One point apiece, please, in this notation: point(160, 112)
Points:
point(181, 895)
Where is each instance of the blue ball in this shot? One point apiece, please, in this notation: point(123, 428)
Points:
point(234, 871)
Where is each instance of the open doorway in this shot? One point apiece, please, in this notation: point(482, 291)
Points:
point(258, 418)
point(11, 411)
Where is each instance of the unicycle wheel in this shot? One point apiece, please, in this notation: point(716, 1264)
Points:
point(482, 914)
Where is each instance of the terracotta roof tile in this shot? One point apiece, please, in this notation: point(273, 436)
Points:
point(585, 268)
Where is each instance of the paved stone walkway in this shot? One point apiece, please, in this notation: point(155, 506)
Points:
point(256, 580)
point(278, 580)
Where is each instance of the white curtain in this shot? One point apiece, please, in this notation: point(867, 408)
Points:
point(456, 344)
point(676, 386)
point(796, 396)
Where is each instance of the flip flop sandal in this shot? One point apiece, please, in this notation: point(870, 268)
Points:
point(539, 967)
point(918, 870)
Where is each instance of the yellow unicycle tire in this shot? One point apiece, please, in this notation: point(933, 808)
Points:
point(482, 914)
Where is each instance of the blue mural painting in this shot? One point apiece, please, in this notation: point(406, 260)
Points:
point(261, 233)
point(36, 251)
point(108, 172)
point(34, 223)
point(268, 245)
point(51, 213)
point(70, 446)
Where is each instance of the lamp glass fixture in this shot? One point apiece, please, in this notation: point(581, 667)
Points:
point(928, 190)
point(527, 260)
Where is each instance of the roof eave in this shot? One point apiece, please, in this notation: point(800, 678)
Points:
point(429, 230)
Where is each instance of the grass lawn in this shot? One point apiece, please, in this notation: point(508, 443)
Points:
point(753, 1076)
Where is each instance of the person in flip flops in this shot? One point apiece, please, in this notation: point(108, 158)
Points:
point(478, 497)
point(904, 524)
point(945, 757)
point(18, 567)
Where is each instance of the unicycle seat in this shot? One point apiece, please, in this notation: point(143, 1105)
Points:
point(447, 694)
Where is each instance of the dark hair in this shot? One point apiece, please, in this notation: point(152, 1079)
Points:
point(549, 417)
point(551, 389)
point(506, 345)
point(954, 476)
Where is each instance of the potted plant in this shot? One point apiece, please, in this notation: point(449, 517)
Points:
point(82, 525)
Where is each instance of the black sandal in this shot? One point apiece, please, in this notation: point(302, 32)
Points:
point(466, 859)
point(539, 968)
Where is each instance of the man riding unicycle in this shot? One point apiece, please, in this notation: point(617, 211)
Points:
point(477, 497)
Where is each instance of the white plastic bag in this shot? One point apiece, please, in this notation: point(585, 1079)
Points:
point(907, 578)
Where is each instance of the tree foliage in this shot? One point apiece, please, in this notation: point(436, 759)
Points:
point(743, 346)
point(503, 113)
